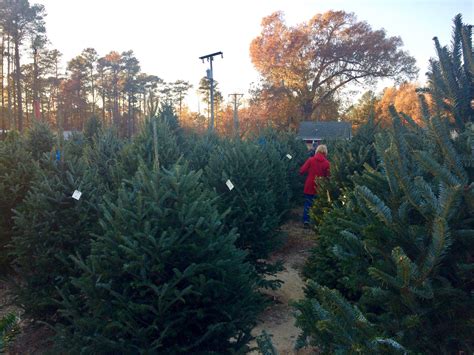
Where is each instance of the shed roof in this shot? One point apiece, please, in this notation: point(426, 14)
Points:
point(311, 130)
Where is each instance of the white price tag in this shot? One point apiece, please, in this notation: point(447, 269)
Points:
point(289, 156)
point(229, 184)
point(77, 195)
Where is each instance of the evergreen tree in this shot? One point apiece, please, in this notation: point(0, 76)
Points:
point(251, 203)
point(348, 158)
point(166, 139)
point(285, 154)
point(197, 148)
point(336, 327)
point(167, 114)
point(109, 158)
point(163, 275)
point(50, 226)
point(406, 244)
point(39, 139)
point(17, 172)
point(92, 127)
point(451, 76)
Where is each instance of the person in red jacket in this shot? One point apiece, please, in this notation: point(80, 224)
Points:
point(316, 166)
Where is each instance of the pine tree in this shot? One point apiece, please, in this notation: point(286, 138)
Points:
point(163, 275)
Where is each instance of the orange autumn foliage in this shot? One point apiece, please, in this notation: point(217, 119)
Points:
point(404, 98)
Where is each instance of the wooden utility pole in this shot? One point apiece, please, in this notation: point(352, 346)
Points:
point(210, 58)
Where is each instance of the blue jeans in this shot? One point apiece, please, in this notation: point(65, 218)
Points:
point(308, 203)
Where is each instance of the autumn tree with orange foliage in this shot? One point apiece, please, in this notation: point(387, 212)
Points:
point(404, 98)
point(305, 66)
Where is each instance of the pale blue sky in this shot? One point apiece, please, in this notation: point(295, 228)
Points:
point(169, 36)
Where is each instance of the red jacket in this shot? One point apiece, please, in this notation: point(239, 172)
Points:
point(315, 166)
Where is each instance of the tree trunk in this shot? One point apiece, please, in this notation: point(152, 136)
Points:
point(93, 92)
point(130, 119)
point(18, 87)
point(27, 112)
point(1, 84)
point(307, 109)
point(103, 106)
point(35, 82)
point(9, 89)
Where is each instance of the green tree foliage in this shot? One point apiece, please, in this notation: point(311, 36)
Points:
point(39, 139)
point(163, 275)
point(336, 327)
point(17, 171)
point(168, 115)
point(451, 75)
point(167, 143)
point(108, 158)
point(251, 204)
point(403, 241)
point(8, 326)
point(265, 345)
point(92, 127)
point(347, 158)
point(50, 226)
point(360, 112)
point(197, 148)
point(286, 153)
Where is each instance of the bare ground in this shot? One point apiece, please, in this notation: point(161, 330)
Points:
point(278, 319)
point(28, 338)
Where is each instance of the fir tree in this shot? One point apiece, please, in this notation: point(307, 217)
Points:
point(163, 275)
point(197, 148)
point(167, 143)
point(451, 76)
point(39, 139)
point(92, 128)
point(336, 327)
point(50, 226)
point(407, 240)
point(285, 154)
point(250, 205)
point(17, 172)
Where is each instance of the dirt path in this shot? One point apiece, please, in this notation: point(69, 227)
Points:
point(278, 320)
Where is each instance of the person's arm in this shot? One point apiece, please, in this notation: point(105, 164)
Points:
point(305, 167)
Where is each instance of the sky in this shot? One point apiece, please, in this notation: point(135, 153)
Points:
point(168, 37)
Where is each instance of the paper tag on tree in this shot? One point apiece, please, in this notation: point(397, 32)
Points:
point(77, 195)
point(229, 184)
point(289, 156)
